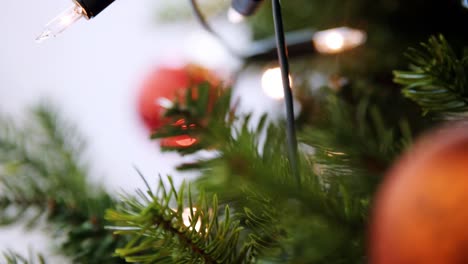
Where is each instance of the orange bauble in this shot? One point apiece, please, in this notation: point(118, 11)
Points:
point(421, 211)
point(165, 84)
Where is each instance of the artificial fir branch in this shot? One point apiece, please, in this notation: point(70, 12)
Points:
point(11, 257)
point(438, 79)
point(155, 224)
point(265, 218)
point(353, 138)
point(252, 176)
point(42, 176)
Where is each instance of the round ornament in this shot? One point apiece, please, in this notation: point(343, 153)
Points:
point(164, 86)
point(420, 213)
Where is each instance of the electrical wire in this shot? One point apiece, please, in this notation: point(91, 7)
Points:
point(288, 97)
point(284, 65)
point(204, 23)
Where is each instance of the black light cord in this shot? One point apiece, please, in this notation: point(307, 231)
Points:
point(299, 42)
point(299, 45)
point(288, 97)
point(282, 55)
point(204, 23)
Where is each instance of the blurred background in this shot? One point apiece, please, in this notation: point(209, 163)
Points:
point(93, 72)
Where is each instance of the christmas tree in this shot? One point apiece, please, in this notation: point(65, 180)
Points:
point(362, 191)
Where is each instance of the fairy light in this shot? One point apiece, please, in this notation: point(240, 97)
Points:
point(334, 41)
point(186, 217)
point(272, 83)
point(337, 40)
point(61, 22)
point(80, 9)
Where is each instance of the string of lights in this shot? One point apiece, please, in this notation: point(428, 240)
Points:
point(283, 45)
point(80, 9)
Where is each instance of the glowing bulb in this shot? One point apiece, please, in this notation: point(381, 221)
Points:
point(338, 39)
point(234, 16)
point(186, 215)
point(334, 41)
point(61, 22)
point(272, 83)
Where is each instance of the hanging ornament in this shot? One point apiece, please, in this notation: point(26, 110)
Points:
point(420, 213)
point(161, 89)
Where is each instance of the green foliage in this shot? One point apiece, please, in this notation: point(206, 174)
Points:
point(438, 80)
point(204, 107)
point(43, 176)
point(246, 207)
point(280, 222)
point(356, 140)
point(161, 233)
point(11, 257)
point(380, 17)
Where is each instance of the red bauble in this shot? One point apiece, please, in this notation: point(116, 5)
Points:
point(420, 214)
point(165, 84)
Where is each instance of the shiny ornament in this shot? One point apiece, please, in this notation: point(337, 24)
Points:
point(420, 213)
point(164, 86)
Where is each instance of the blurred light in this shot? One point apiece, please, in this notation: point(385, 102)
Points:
point(186, 217)
point(234, 16)
point(334, 41)
point(333, 153)
point(164, 103)
point(272, 83)
point(337, 40)
point(465, 3)
point(61, 22)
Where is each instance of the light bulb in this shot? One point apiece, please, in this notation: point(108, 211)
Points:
point(272, 83)
point(234, 16)
point(186, 217)
point(62, 22)
point(337, 40)
point(334, 41)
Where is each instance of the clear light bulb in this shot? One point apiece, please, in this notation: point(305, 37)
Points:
point(337, 40)
point(272, 83)
point(61, 22)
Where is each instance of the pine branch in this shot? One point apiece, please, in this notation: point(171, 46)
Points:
point(353, 138)
point(42, 176)
point(280, 223)
point(204, 107)
point(159, 234)
point(438, 80)
point(351, 149)
point(10, 257)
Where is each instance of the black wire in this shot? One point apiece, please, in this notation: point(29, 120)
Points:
point(299, 45)
point(288, 97)
point(204, 23)
point(284, 65)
